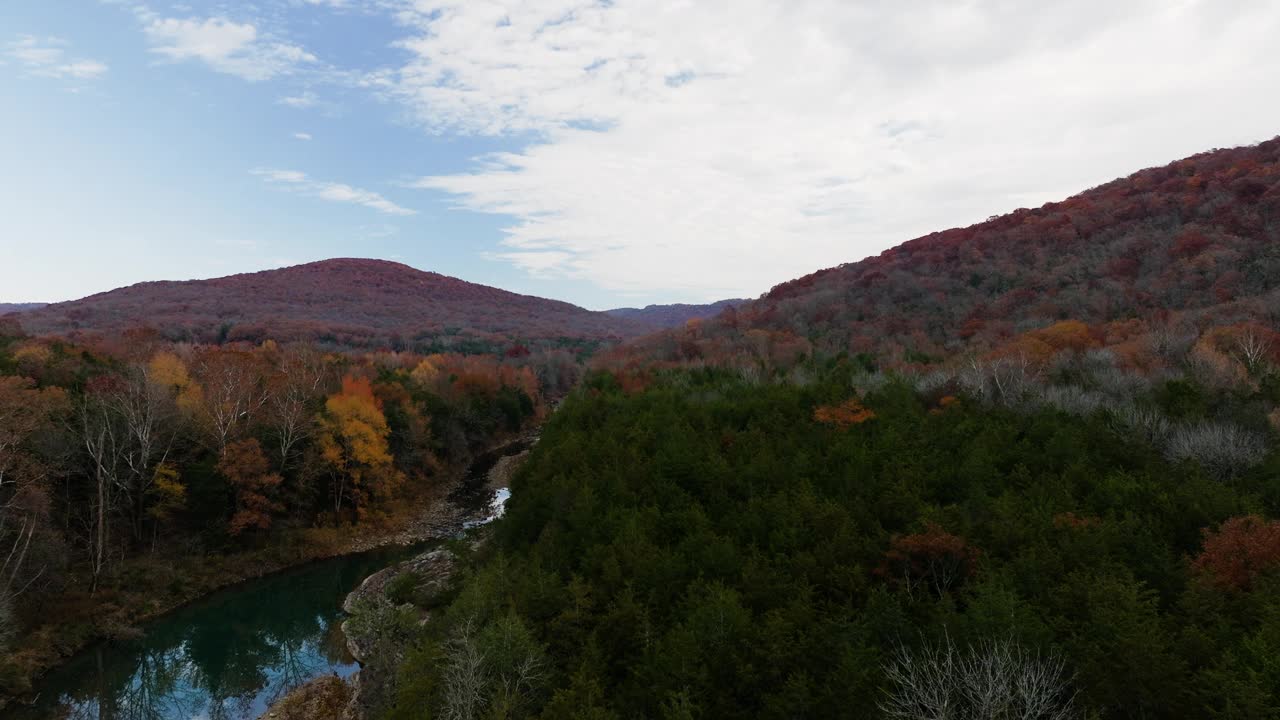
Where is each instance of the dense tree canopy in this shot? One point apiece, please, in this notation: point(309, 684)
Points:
point(720, 546)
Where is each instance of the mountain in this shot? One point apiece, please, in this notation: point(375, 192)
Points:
point(342, 302)
point(6, 308)
point(1183, 247)
point(666, 316)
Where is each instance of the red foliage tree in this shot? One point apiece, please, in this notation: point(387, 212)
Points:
point(1189, 243)
point(1239, 552)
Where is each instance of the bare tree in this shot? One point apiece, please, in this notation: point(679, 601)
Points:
point(465, 678)
point(1147, 423)
point(1005, 380)
point(994, 680)
point(1222, 449)
point(1172, 343)
point(1254, 346)
point(102, 442)
point(147, 420)
point(300, 378)
point(232, 392)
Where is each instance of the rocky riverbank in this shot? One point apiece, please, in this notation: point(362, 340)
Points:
point(374, 604)
point(452, 514)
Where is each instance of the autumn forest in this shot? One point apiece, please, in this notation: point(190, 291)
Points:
point(1023, 469)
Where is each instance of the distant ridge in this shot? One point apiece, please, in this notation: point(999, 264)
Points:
point(344, 302)
point(6, 308)
point(666, 316)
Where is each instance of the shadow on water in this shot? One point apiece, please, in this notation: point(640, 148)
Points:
point(234, 653)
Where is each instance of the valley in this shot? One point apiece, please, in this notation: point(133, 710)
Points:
point(1033, 460)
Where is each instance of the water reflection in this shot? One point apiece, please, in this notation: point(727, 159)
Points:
point(227, 657)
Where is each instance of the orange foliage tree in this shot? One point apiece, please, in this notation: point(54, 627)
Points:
point(847, 414)
point(246, 468)
point(934, 559)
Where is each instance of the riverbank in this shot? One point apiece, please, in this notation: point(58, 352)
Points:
point(431, 573)
point(144, 589)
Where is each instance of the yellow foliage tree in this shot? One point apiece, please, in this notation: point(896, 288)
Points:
point(32, 356)
point(353, 443)
point(425, 373)
point(167, 494)
point(1066, 335)
point(169, 370)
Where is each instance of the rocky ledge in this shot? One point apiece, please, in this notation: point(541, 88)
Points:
point(431, 572)
point(325, 698)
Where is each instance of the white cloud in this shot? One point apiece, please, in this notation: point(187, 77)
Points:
point(334, 192)
point(228, 47)
point(281, 176)
point(302, 136)
point(708, 149)
point(301, 102)
point(47, 57)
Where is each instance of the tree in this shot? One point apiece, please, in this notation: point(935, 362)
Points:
point(231, 391)
point(1222, 449)
point(845, 415)
point(490, 671)
point(1253, 344)
point(1239, 551)
point(933, 559)
point(26, 413)
point(101, 438)
point(143, 400)
point(293, 391)
point(167, 496)
point(246, 469)
point(466, 681)
point(353, 442)
point(994, 680)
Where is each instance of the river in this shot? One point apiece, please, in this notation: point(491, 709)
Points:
point(233, 653)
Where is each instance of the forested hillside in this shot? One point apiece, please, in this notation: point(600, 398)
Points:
point(845, 544)
point(1167, 251)
point(371, 304)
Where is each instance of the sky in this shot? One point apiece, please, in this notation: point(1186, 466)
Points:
point(604, 152)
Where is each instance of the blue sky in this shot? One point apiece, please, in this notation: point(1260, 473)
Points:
point(606, 153)
point(146, 170)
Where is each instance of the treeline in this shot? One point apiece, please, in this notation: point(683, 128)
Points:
point(835, 542)
point(117, 453)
